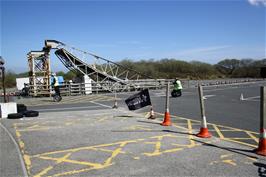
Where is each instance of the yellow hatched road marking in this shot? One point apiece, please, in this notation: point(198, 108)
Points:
point(250, 145)
point(220, 128)
point(253, 137)
point(192, 142)
point(218, 131)
point(58, 161)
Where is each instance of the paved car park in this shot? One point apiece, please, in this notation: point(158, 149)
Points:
point(92, 139)
point(111, 142)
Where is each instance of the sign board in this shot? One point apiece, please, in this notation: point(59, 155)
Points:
point(138, 100)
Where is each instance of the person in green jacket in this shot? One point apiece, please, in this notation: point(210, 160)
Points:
point(177, 91)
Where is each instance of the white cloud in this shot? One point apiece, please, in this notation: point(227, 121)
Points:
point(203, 50)
point(257, 2)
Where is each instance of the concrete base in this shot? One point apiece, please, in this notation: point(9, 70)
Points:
point(7, 108)
point(88, 86)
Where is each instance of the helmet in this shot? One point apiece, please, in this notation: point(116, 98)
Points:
point(53, 74)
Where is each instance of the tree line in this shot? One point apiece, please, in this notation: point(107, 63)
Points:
point(172, 68)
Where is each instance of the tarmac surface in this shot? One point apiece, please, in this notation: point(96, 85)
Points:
point(116, 142)
point(84, 136)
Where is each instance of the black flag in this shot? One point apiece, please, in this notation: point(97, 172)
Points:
point(138, 100)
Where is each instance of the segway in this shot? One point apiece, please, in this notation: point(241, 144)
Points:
point(176, 93)
point(57, 98)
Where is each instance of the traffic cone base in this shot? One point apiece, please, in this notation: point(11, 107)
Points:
point(204, 133)
point(167, 120)
point(261, 150)
point(152, 116)
point(115, 105)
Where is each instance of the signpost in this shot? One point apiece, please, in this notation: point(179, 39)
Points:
point(2, 62)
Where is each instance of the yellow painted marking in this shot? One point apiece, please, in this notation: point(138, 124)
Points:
point(69, 123)
point(103, 119)
point(250, 145)
point(106, 150)
point(18, 134)
point(218, 131)
point(192, 142)
point(60, 160)
point(179, 127)
point(223, 130)
point(72, 173)
point(172, 150)
point(157, 151)
point(233, 129)
point(22, 149)
point(117, 151)
point(27, 161)
point(85, 148)
point(229, 162)
point(38, 129)
point(114, 153)
point(252, 159)
point(253, 137)
point(147, 114)
point(157, 148)
point(241, 138)
point(226, 155)
point(21, 144)
point(138, 127)
point(140, 139)
point(43, 172)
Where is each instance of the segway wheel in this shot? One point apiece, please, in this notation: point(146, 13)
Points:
point(15, 116)
point(57, 98)
point(173, 93)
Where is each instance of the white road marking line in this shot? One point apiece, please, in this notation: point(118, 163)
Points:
point(18, 150)
point(208, 96)
point(253, 98)
point(101, 104)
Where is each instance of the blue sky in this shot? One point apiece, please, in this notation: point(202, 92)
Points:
point(207, 31)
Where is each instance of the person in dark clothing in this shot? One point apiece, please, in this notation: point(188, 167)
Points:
point(55, 84)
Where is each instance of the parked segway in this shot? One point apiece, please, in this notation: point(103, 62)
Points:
point(57, 98)
point(55, 83)
point(177, 91)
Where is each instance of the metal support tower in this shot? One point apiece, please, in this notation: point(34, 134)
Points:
point(105, 74)
point(39, 72)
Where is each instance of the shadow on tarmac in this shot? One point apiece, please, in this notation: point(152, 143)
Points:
point(136, 131)
point(234, 150)
point(183, 133)
point(157, 123)
point(49, 101)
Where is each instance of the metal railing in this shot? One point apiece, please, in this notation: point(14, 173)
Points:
point(70, 88)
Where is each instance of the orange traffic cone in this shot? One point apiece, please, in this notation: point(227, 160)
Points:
point(261, 150)
point(152, 116)
point(204, 132)
point(167, 119)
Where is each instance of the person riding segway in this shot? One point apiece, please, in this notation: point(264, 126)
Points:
point(55, 83)
point(177, 91)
